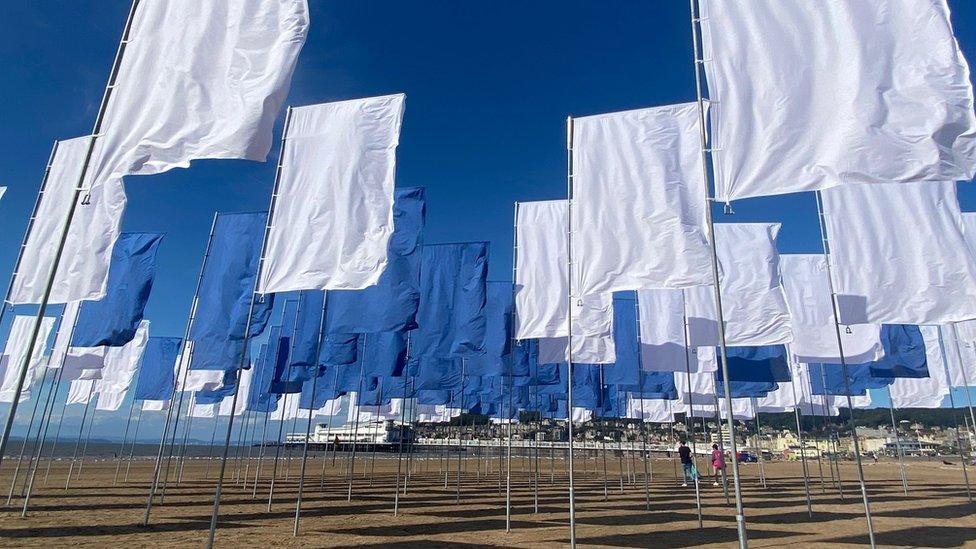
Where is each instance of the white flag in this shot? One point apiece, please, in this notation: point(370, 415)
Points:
point(899, 255)
point(600, 349)
point(83, 269)
point(121, 363)
point(81, 362)
point(814, 333)
point(196, 380)
point(109, 401)
point(960, 355)
point(753, 301)
point(15, 351)
point(662, 331)
point(811, 95)
point(62, 340)
point(79, 391)
point(155, 405)
point(333, 215)
point(928, 392)
point(243, 389)
point(199, 79)
point(542, 278)
point(639, 201)
point(203, 410)
point(651, 410)
point(697, 388)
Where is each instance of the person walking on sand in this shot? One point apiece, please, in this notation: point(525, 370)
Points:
point(687, 465)
point(718, 463)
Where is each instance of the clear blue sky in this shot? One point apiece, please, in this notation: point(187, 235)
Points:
point(489, 85)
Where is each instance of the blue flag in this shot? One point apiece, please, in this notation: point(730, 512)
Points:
point(625, 371)
point(904, 353)
point(338, 349)
point(305, 342)
point(746, 389)
point(451, 317)
point(154, 379)
point(390, 305)
point(216, 396)
point(226, 290)
point(112, 320)
point(760, 364)
point(498, 333)
point(828, 379)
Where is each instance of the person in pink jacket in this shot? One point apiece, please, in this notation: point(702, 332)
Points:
point(718, 463)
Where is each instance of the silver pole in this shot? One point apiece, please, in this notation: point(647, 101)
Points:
point(81, 432)
point(41, 440)
point(901, 455)
point(247, 330)
point(403, 417)
point(965, 376)
point(311, 412)
point(799, 434)
point(132, 447)
point(184, 349)
point(457, 494)
point(125, 438)
point(213, 438)
point(27, 437)
point(843, 362)
point(274, 467)
point(952, 403)
point(569, 328)
point(739, 508)
point(691, 416)
point(762, 470)
point(257, 468)
point(514, 343)
point(643, 425)
point(181, 459)
point(79, 189)
point(355, 436)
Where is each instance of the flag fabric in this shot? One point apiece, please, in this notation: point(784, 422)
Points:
point(662, 330)
point(814, 332)
point(84, 361)
point(796, 111)
point(155, 378)
point(199, 80)
point(498, 333)
point(337, 349)
point(226, 291)
point(110, 402)
point(905, 353)
point(190, 380)
point(62, 340)
point(113, 320)
point(84, 266)
point(308, 328)
point(80, 391)
point(15, 351)
point(121, 363)
point(390, 305)
point(756, 364)
point(637, 186)
point(542, 278)
point(911, 268)
point(928, 392)
point(333, 214)
point(453, 297)
point(753, 300)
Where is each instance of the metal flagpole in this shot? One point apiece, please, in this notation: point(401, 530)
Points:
point(184, 350)
point(762, 470)
point(27, 437)
point(84, 448)
point(457, 494)
point(403, 417)
point(54, 446)
point(691, 416)
point(514, 346)
point(355, 436)
point(257, 468)
point(640, 386)
point(965, 376)
point(412, 418)
point(59, 251)
point(241, 439)
point(372, 457)
point(832, 432)
point(799, 434)
point(901, 455)
point(279, 442)
point(952, 403)
point(739, 508)
point(186, 435)
point(81, 432)
point(311, 412)
point(213, 438)
point(843, 362)
point(603, 442)
point(125, 438)
point(721, 443)
point(41, 440)
point(569, 327)
point(132, 447)
point(328, 432)
point(247, 330)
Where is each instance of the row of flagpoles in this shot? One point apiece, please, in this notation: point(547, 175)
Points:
point(637, 218)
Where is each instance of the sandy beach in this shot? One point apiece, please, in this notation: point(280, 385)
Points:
point(95, 511)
